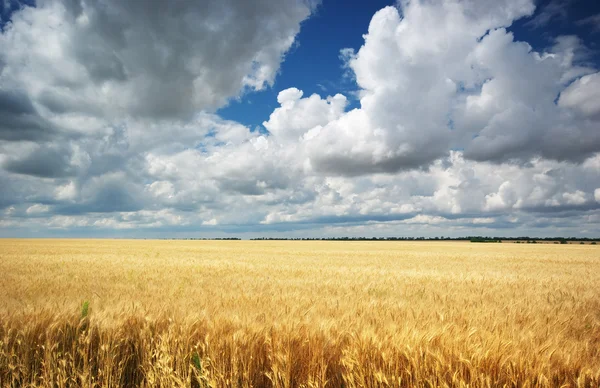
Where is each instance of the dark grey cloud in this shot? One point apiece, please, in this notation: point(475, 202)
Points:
point(357, 165)
point(244, 187)
point(564, 210)
point(44, 162)
point(109, 193)
point(525, 134)
point(164, 59)
point(64, 102)
point(357, 219)
point(113, 197)
point(15, 102)
point(8, 194)
point(19, 119)
point(252, 185)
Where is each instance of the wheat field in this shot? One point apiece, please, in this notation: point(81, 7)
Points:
point(298, 314)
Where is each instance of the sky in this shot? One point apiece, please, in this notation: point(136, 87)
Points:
point(299, 118)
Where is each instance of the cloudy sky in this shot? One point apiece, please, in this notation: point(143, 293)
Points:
point(204, 118)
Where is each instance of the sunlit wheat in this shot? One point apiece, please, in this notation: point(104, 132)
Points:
point(298, 314)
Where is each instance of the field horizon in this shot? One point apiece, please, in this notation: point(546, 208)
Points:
point(105, 312)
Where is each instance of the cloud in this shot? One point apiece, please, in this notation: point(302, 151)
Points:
point(49, 163)
point(514, 115)
point(583, 96)
point(455, 192)
point(181, 58)
point(111, 193)
point(592, 21)
point(460, 127)
point(553, 11)
point(19, 119)
point(297, 115)
point(37, 209)
point(436, 77)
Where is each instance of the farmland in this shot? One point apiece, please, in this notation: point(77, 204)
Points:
point(298, 314)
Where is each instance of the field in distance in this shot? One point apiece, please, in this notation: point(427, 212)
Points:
point(298, 314)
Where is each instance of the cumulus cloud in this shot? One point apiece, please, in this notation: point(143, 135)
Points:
point(181, 57)
point(583, 96)
point(298, 115)
point(37, 209)
point(106, 123)
point(456, 192)
point(438, 76)
point(94, 98)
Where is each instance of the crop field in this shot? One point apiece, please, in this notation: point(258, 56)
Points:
point(298, 314)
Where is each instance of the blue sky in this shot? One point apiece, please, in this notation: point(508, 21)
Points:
point(313, 64)
point(443, 117)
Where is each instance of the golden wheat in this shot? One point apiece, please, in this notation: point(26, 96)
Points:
point(298, 314)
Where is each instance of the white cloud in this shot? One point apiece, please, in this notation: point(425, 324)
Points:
point(505, 198)
point(583, 96)
point(37, 209)
point(99, 58)
point(163, 189)
point(426, 219)
point(483, 220)
point(211, 222)
point(459, 126)
point(298, 115)
point(575, 198)
point(435, 76)
point(66, 192)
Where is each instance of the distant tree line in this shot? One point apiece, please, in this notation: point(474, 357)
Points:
point(476, 239)
point(203, 238)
